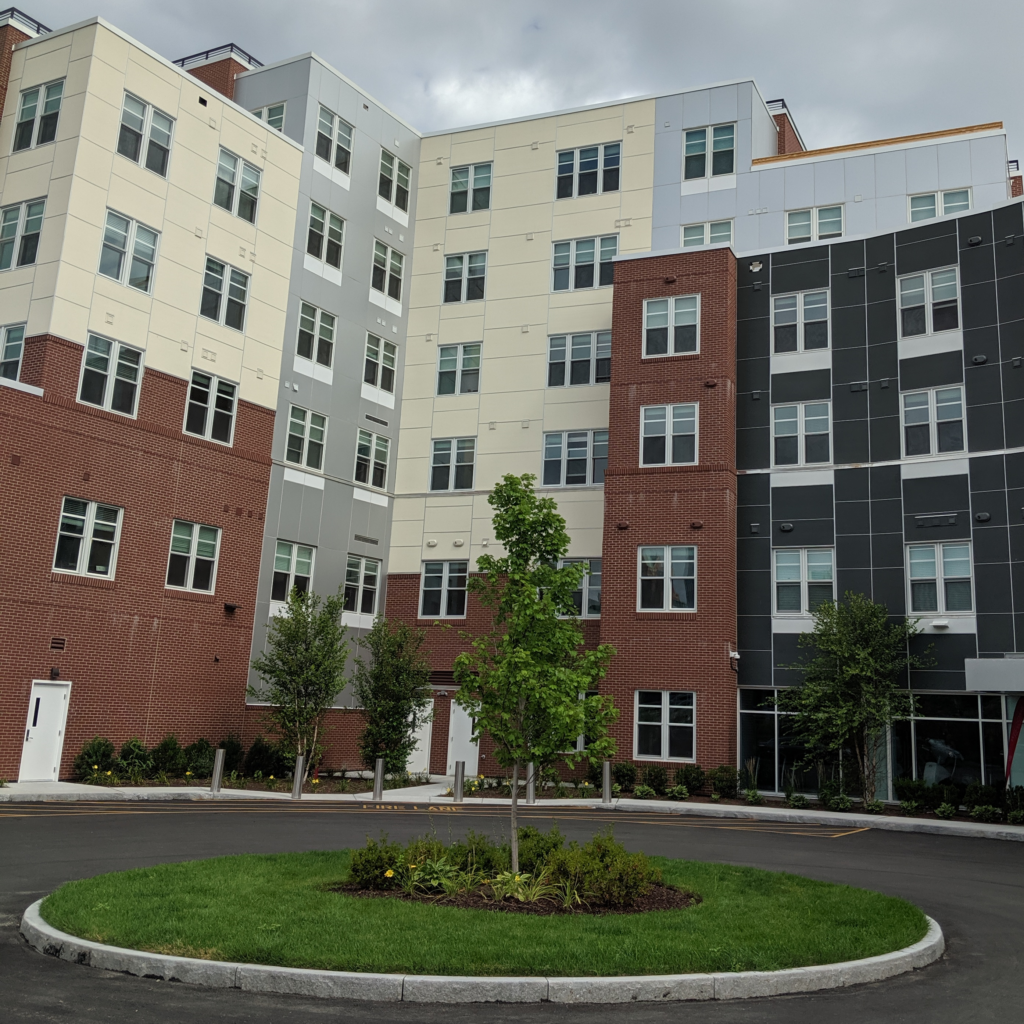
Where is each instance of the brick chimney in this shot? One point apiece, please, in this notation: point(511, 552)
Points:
point(789, 137)
point(218, 67)
point(1016, 180)
point(15, 27)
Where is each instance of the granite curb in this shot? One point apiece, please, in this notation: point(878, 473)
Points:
point(433, 989)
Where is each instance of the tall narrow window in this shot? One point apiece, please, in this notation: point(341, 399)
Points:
point(940, 577)
point(325, 236)
point(110, 375)
point(87, 538)
point(307, 434)
point(929, 303)
point(443, 590)
point(587, 599)
point(38, 113)
point(193, 560)
point(801, 434)
point(238, 186)
point(587, 171)
point(316, 334)
point(682, 313)
point(362, 577)
point(695, 154)
point(334, 140)
point(393, 183)
point(379, 367)
point(372, 459)
point(122, 236)
point(464, 277)
point(144, 128)
point(933, 422)
point(211, 407)
point(667, 578)
point(386, 273)
point(452, 464)
point(230, 309)
point(668, 435)
point(20, 227)
point(293, 568)
point(458, 369)
point(12, 345)
point(723, 149)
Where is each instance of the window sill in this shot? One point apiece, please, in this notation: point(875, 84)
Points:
point(655, 616)
point(56, 576)
point(201, 597)
point(673, 760)
point(17, 385)
point(931, 344)
point(673, 355)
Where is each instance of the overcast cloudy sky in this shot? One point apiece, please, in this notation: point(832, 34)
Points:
point(851, 70)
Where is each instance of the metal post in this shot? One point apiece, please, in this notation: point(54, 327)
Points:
point(606, 782)
point(378, 779)
point(300, 762)
point(218, 770)
point(460, 778)
point(531, 784)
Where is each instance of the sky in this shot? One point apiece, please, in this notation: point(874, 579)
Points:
point(849, 71)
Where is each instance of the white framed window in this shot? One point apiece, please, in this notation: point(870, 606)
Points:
point(814, 225)
point(579, 359)
point(87, 538)
point(715, 232)
point(316, 334)
point(458, 369)
point(665, 729)
point(928, 204)
point(933, 421)
point(307, 435)
point(668, 435)
point(470, 188)
point(587, 599)
point(723, 151)
point(801, 434)
point(20, 227)
point(929, 303)
point(293, 568)
point(940, 577)
point(393, 182)
point(12, 348)
point(575, 457)
point(379, 366)
point(443, 590)
point(229, 308)
point(192, 564)
point(386, 275)
point(800, 322)
point(38, 113)
point(804, 579)
point(128, 252)
point(464, 277)
point(210, 411)
point(681, 313)
point(273, 115)
point(372, 459)
point(584, 263)
point(362, 581)
point(111, 373)
point(334, 140)
point(237, 189)
point(588, 171)
point(145, 135)
point(326, 236)
point(452, 464)
point(667, 578)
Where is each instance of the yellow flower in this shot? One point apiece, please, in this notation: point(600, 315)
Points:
point(108, 773)
point(271, 776)
point(188, 773)
point(517, 878)
point(315, 782)
point(389, 873)
point(95, 766)
point(412, 867)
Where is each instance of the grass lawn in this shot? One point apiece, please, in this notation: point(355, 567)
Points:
point(276, 910)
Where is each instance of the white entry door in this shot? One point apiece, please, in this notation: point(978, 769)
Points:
point(44, 731)
point(419, 759)
point(460, 742)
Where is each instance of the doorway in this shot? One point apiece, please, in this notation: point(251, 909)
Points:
point(419, 759)
point(460, 742)
point(44, 731)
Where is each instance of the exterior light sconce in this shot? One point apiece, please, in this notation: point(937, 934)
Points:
point(755, 266)
point(431, 543)
point(974, 240)
point(786, 527)
point(979, 360)
point(55, 672)
point(697, 524)
point(231, 608)
point(940, 623)
point(670, 280)
point(623, 526)
point(458, 543)
point(982, 517)
point(711, 383)
point(755, 527)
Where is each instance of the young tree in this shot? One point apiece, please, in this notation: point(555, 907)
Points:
point(853, 686)
point(394, 690)
point(302, 671)
point(523, 681)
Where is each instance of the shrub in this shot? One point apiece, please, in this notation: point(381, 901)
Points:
point(679, 792)
point(168, 757)
point(199, 758)
point(724, 780)
point(754, 797)
point(535, 847)
point(798, 801)
point(134, 760)
point(656, 778)
point(910, 807)
point(840, 802)
point(624, 773)
point(1014, 799)
point(644, 793)
point(595, 773)
point(1015, 817)
point(915, 791)
point(986, 813)
point(988, 796)
point(874, 807)
point(945, 811)
point(98, 752)
point(692, 776)
point(370, 865)
point(602, 871)
point(234, 752)
point(263, 757)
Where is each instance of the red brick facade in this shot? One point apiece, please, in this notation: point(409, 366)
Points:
point(1016, 186)
point(219, 75)
point(789, 141)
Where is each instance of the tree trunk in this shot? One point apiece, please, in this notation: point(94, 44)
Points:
point(515, 827)
point(867, 768)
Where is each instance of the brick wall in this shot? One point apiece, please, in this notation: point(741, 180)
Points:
point(219, 75)
point(9, 38)
point(789, 141)
point(1016, 186)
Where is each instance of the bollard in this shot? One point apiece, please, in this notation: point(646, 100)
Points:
point(531, 784)
point(460, 779)
point(297, 778)
point(378, 779)
point(218, 770)
point(606, 782)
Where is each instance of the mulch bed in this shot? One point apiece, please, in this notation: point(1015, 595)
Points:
point(658, 897)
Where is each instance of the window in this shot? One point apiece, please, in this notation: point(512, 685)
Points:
point(800, 322)
point(293, 568)
point(807, 225)
point(464, 277)
point(334, 137)
point(683, 313)
point(803, 580)
point(193, 561)
point(19, 233)
point(723, 152)
point(587, 171)
point(87, 538)
point(361, 576)
point(37, 115)
point(441, 476)
point(231, 312)
point(809, 422)
point(325, 237)
point(926, 206)
point(717, 232)
point(12, 346)
point(393, 184)
point(273, 115)
point(110, 375)
point(668, 435)
point(587, 600)
point(379, 368)
point(588, 357)
point(664, 725)
point(475, 179)
point(458, 369)
point(145, 128)
point(387, 270)
point(211, 407)
point(238, 187)
point(929, 303)
point(667, 579)
point(940, 577)
point(307, 434)
point(933, 422)
point(372, 459)
point(575, 457)
point(316, 333)
point(444, 589)
point(122, 237)
point(573, 264)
